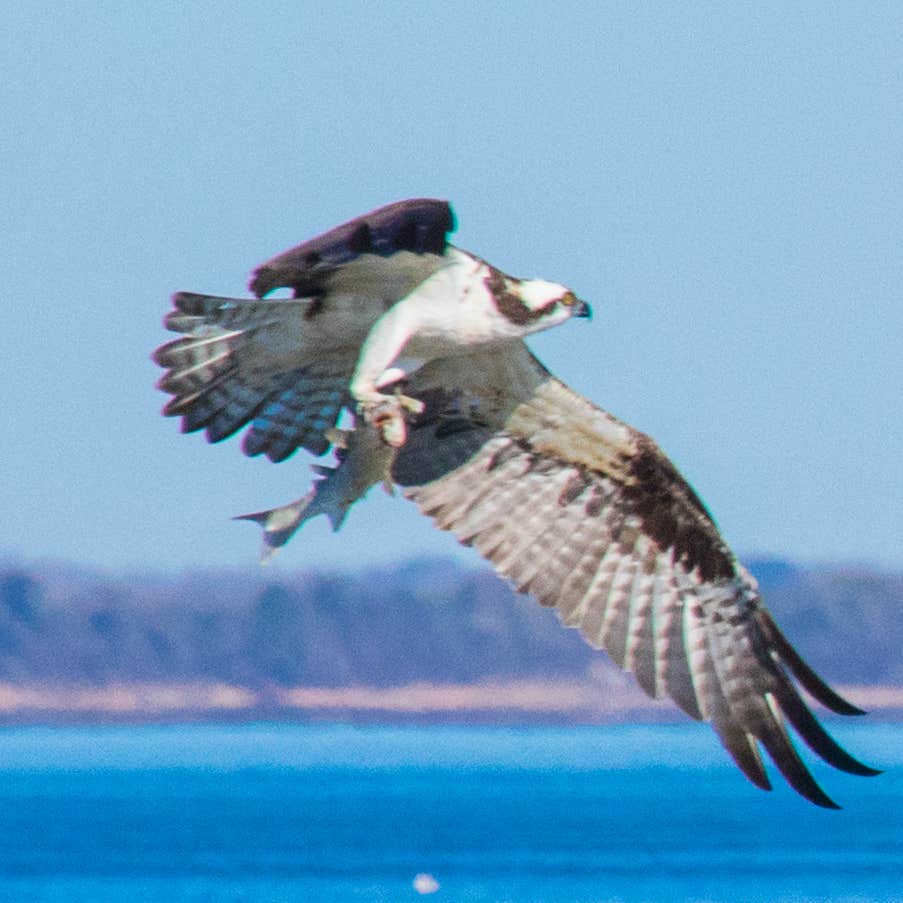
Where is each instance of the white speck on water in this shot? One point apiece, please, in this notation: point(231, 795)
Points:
point(424, 883)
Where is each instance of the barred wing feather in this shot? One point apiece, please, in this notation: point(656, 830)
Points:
point(238, 362)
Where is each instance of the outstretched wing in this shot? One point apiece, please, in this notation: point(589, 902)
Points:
point(283, 364)
point(588, 516)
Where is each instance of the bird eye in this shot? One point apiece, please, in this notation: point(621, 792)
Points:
point(568, 299)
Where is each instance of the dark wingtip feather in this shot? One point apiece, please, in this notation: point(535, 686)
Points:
point(816, 737)
point(814, 685)
point(794, 771)
point(783, 753)
point(745, 754)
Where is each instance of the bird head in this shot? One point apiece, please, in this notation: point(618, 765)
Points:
point(536, 304)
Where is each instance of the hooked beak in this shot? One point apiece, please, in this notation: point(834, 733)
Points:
point(582, 309)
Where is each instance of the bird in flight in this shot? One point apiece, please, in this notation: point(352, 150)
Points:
point(422, 345)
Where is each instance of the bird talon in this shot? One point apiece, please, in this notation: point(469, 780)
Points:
point(414, 405)
point(386, 414)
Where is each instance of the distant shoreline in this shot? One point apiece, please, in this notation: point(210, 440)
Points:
point(512, 702)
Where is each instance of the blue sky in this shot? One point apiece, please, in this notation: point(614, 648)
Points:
point(722, 182)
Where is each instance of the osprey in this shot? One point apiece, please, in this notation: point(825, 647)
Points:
point(422, 344)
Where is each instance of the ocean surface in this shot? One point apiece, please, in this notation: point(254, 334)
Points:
point(278, 812)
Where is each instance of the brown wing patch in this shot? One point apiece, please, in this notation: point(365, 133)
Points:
point(673, 515)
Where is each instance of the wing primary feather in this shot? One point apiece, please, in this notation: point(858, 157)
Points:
point(814, 735)
point(780, 747)
point(715, 691)
point(816, 687)
point(743, 750)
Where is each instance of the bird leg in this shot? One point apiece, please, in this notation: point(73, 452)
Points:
point(378, 367)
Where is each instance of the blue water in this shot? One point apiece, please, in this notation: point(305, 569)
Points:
point(332, 813)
